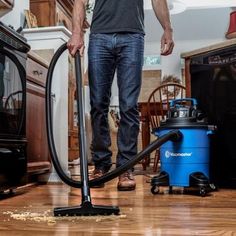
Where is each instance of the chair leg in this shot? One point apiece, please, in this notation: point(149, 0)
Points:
point(156, 160)
point(143, 162)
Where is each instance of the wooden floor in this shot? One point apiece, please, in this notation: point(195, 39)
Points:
point(29, 212)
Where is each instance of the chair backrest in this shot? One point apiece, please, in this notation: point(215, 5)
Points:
point(158, 101)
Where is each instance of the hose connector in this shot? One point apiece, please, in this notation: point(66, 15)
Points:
point(177, 136)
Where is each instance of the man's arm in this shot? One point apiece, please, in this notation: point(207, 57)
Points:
point(161, 10)
point(76, 41)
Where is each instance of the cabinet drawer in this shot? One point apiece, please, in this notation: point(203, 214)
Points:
point(36, 72)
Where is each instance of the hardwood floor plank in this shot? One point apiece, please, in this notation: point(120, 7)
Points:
point(29, 212)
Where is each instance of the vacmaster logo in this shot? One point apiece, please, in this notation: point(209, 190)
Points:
point(169, 154)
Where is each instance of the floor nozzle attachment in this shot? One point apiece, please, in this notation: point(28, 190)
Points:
point(86, 209)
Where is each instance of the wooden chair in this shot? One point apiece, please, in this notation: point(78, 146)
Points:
point(158, 105)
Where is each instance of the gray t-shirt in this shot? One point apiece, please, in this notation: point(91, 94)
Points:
point(111, 16)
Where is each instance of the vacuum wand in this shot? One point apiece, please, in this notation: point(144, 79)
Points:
point(81, 131)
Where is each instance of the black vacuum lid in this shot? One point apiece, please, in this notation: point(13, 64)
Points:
point(184, 122)
point(184, 113)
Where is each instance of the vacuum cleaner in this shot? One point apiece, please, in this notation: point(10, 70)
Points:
point(184, 163)
point(86, 208)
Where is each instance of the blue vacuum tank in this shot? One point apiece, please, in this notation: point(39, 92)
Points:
point(185, 163)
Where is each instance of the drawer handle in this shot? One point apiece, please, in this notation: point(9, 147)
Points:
point(36, 72)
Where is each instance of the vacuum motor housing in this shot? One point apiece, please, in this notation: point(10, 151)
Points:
point(191, 154)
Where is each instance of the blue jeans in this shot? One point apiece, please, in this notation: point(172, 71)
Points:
point(107, 53)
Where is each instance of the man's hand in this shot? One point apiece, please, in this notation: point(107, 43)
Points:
point(76, 43)
point(167, 43)
point(161, 10)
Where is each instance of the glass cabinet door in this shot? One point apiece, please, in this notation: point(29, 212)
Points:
point(11, 98)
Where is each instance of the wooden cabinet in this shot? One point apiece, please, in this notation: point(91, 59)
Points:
point(37, 148)
point(53, 12)
point(45, 41)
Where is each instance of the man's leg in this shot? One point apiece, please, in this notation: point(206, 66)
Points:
point(101, 72)
point(129, 73)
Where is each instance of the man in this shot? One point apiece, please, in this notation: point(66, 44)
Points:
point(116, 44)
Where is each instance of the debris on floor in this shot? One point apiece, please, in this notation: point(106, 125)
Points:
point(47, 217)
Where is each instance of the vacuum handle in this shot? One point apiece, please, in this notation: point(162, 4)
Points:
point(175, 101)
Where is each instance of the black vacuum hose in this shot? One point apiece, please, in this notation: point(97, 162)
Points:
point(173, 135)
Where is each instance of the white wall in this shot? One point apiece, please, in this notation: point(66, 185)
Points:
point(16, 17)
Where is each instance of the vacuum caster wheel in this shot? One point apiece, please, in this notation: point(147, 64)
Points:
point(213, 187)
point(203, 192)
point(155, 189)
